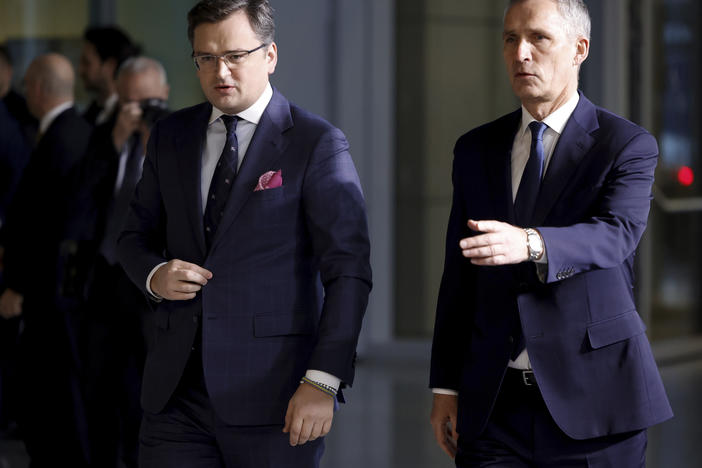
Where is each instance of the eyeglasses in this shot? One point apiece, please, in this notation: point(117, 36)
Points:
point(230, 59)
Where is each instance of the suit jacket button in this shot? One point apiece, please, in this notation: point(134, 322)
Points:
point(194, 318)
point(510, 339)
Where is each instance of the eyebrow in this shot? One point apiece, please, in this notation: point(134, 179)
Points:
point(223, 53)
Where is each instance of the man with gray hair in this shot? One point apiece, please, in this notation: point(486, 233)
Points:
point(47, 414)
point(539, 356)
point(112, 330)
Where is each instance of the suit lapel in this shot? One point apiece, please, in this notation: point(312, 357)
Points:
point(266, 147)
point(572, 146)
point(499, 166)
point(189, 145)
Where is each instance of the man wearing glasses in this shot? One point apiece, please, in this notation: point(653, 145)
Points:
point(248, 231)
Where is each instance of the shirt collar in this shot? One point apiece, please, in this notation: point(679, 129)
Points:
point(50, 116)
point(252, 114)
point(557, 119)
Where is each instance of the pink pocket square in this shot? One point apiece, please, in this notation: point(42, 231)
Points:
point(270, 180)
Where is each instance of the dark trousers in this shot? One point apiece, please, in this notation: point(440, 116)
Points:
point(112, 342)
point(188, 434)
point(522, 433)
point(49, 410)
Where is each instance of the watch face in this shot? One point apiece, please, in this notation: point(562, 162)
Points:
point(535, 244)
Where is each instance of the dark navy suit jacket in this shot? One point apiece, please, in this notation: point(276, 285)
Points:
point(586, 342)
point(14, 155)
point(291, 272)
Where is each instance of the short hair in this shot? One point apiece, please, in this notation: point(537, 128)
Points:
point(110, 42)
point(574, 12)
point(5, 54)
point(259, 12)
point(141, 64)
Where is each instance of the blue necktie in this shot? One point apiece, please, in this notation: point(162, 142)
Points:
point(531, 178)
point(526, 200)
point(222, 180)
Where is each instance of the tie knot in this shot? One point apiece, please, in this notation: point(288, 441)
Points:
point(229, 122)
point(537, 129)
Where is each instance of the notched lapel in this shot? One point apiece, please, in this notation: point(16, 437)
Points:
point(267, 146)
point(499, 164)
point(575, 142)
point(189, 145)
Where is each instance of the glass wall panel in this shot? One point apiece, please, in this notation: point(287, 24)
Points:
point(676, 220)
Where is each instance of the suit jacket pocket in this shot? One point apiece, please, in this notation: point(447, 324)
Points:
point(268, 194)
point(615, 329)
point(283, 324)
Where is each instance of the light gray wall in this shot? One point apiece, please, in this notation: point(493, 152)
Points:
point(451, 78)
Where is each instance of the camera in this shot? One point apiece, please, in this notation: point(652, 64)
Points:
point(152, 110)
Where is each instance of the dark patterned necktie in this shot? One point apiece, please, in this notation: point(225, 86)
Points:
point(529, 186)
point(222, 180)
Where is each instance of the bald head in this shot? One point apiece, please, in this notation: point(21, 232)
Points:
point(49, 82)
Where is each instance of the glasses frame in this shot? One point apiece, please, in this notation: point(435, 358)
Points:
point(243, 53)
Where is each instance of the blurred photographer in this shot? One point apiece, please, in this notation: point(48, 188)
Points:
point(143, 90)
point(112, 309)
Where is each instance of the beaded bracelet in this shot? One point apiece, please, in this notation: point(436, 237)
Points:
point(328, 389)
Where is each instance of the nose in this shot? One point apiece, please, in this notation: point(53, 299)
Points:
point(222, 68)
point(523, 51)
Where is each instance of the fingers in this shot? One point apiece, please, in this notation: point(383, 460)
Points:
point(444, 435)
point(178, 280)
point(443, 421)
point(499, 244)
point(295, 431)
point(309, 415)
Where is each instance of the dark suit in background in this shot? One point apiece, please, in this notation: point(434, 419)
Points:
point(111, 338)
point(14, 155)
point(46, 356)
point(17, 106)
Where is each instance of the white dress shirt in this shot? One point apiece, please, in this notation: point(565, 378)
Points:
point(556, 122)
point(214, 144)
point(106, 111)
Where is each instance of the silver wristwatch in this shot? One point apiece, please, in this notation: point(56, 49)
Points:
point(535, 245)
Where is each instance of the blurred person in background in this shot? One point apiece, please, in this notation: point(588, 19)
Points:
point(111, 333)
point(49, 412)
point(105, 48)
point(17, 135)
point(15, 102)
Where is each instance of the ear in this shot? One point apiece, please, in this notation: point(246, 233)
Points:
point(272, 57)
point(582, 49)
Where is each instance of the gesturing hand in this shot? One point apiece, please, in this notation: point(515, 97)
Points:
point(443, 420)
point(499, 244)
point(309, 415)
point(178, 280)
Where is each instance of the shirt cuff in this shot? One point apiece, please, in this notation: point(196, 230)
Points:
point(323, 378)
point(444, 391)
point(154, 296)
